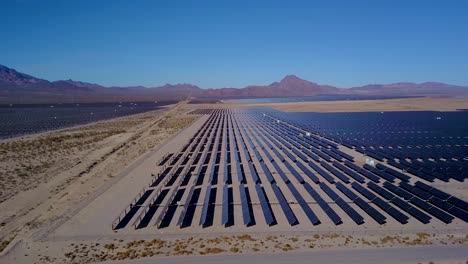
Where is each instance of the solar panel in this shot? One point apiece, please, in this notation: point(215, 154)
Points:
point(322, 154)
point(422, 217)
point(376, 215)
point(292, 220)
point(346, 191)
point(294, 172)
point(270, 158)
point(437, 192)
point(393, 172)
point(421, 193)
point(335, 172)
point(307, 210)
point(325, 207)
point(322, 173)
point(203, 218)
point(369, 175)
point(151, 211)
point(227, 217)
point(355, 216)
point(280, 172)
point(253, 172)
point(344, 155)
point(267, 213)
point(291, 156)
point(311, 155)
point(400, 217)
point(352, 165)
point(280, 157)
point(329, 191)
point(240, 173)
point(169, 214)
point(300, 155)
point(190, 210)
point(186, 204)
point(398, 191)
point(458, 202)
point(368, 194)
point(333, 155)
point(245, 206)
point(463, 215)
point(267, 172)
point(384, 175)
point(377, 189)
point(308, 172)
point(247, 154)
point(214, 174)
point(351, 173)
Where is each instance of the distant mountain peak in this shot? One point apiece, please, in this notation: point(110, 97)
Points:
point(291, 78)
point(15, 77)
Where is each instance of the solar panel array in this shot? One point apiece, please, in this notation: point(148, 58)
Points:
point(258, 165)
point(17, 120)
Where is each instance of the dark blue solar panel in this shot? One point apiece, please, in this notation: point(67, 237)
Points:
point(325, 207)
point(267, 172)
point(253, 172)
point(186, 205)
point(368, 194)
point(384, 175)
point(376, 215)
point(333, 155)
point(322, 173)
point(311, 155)
point(355, 216)
point(377, 189)
point(169, 214)
point(393, 172)
point(280, 157)
point(225, 211)
point(267, 213)
point(294, 172)
point(289, 154)
point(458, 202)
point(281, 173)
point(335, 172)
point(300, 155)
point(441, 215)
point(292, 220)
point(421, 193)
point(344, 155)
point(400, 217)
point(346, 191)
point(369, 175)
point(351, 173)
point(463, 215)
point(307, 210)
point(204, 215)
point(245, 206)
point(329, 191)
point(398, 191)
point(270, 158)
point(308, 172)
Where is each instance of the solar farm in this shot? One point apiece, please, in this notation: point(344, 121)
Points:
point(264, 170)
point(26, 119)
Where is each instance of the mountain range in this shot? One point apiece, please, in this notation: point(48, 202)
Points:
point(17, 87)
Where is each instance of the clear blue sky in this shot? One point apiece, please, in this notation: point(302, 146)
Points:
point(236, 43)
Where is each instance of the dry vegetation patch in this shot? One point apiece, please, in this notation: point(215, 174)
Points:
point(119, 250)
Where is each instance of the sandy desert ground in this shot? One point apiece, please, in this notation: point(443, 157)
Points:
point(54, 183)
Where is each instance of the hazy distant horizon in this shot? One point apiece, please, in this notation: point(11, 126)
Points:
point(214, 45)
